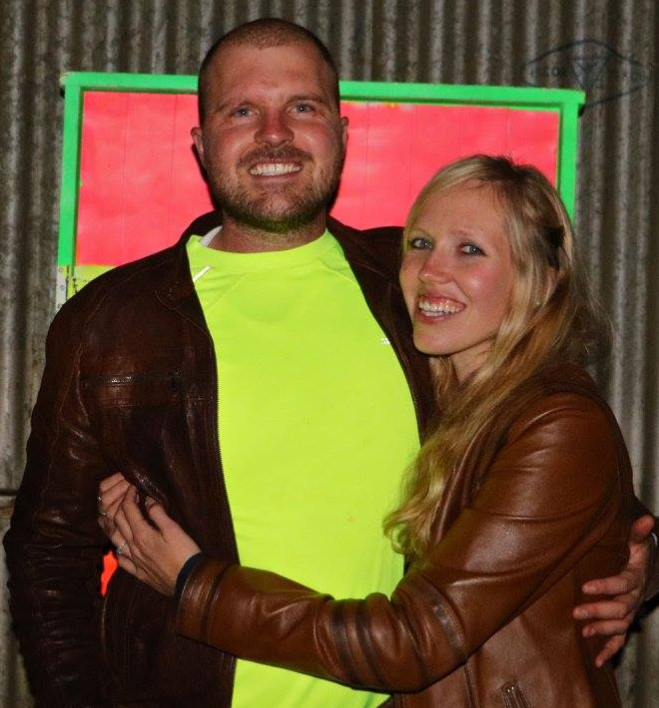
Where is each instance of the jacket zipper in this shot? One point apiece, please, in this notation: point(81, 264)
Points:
point(217, 449)
point(126, 379)
point(398, 350)
point(513, 696)
point(217, 459)
point(404, 363)
point(403, 360)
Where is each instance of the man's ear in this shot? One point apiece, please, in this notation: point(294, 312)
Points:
point(196, 135)
point(344, 131)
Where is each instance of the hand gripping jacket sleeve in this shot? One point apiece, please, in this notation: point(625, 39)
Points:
point(553, 506)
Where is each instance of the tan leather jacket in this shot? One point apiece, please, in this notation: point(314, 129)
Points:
point(541, 502)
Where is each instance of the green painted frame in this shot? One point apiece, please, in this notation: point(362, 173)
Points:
point(566, 102)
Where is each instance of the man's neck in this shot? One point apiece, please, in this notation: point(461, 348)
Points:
point(240, 238)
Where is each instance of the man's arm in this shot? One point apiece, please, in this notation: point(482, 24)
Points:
point(54, 546)
point(638, 582)
point(643, 542)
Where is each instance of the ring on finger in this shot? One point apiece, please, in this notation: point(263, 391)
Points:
point(120, 548)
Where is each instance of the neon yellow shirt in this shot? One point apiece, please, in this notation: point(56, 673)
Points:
point(316, 427)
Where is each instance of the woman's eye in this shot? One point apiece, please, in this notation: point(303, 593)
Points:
point(470, 249)
point(419, 243)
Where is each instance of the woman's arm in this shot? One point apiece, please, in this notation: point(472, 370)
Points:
point(549, 497)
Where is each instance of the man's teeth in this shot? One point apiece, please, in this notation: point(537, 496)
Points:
point(271, 169)
point(439, 307)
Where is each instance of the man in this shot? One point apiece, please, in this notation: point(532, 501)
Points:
point(285, 326)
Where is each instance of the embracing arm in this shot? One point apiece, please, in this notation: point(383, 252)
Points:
point(550, 495)
point(621, 596)
point(54, 547)
point(652, 585)
point(646, 537)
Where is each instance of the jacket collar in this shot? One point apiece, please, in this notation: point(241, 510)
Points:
point(354, 246)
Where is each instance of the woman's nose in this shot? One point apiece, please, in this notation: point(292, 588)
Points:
point(436, 268)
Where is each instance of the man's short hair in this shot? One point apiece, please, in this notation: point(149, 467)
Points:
point(261, 34)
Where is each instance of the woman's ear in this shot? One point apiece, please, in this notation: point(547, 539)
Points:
point(550, 283)
point(551, 278)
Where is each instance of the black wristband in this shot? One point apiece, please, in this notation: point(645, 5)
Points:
point(184, 574)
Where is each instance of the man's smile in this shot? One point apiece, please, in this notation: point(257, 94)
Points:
point(274, 169)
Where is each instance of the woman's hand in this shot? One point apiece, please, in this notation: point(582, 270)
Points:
point(111, 492)
point(154, 549)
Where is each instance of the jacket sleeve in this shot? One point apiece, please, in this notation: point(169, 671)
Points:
point(54, 547)
point(550, 495)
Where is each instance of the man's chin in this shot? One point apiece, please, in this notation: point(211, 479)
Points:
point(277, 218)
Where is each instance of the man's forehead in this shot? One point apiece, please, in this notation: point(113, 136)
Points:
point(276, 68)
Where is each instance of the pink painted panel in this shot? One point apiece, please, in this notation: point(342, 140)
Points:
point(140, 184)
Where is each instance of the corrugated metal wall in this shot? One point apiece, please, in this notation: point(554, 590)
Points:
point(607, 47)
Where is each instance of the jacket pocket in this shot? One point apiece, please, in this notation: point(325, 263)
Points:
point(147, 662)
point(513, 696)
point(116, 617)
point(143, 388)
point(133, 627)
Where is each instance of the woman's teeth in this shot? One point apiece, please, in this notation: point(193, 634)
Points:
point(438, 307)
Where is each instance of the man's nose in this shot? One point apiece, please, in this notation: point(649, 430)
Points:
point(274, 129)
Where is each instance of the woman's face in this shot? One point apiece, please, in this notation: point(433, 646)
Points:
point(457, 275)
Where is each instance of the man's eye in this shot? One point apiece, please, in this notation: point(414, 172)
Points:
point(419, 243)
point(242, 112)
point(470, 249)
point(303, 108)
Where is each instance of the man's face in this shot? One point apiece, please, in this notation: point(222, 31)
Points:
point(272, 141)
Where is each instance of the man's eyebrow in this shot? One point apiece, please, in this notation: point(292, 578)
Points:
point(230, 103)
point(318, 98)
point(315, 97)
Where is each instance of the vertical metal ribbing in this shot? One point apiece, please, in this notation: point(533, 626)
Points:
point(450, 41)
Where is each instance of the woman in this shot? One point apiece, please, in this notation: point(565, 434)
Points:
point(522, 492)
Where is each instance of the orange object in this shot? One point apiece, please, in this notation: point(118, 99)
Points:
point(109, 566)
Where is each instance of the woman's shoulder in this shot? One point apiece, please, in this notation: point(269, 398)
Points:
point(554, 382)
point(555, 419)
point(561, 376)
point(563, 402)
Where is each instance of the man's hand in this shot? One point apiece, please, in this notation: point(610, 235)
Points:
point(614, 616)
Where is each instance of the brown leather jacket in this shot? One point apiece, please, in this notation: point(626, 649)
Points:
point(541, 502)
point(130, 386)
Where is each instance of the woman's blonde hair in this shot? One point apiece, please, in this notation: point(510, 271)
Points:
point(551, 317)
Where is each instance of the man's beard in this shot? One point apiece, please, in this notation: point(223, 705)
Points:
point(284, 209)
